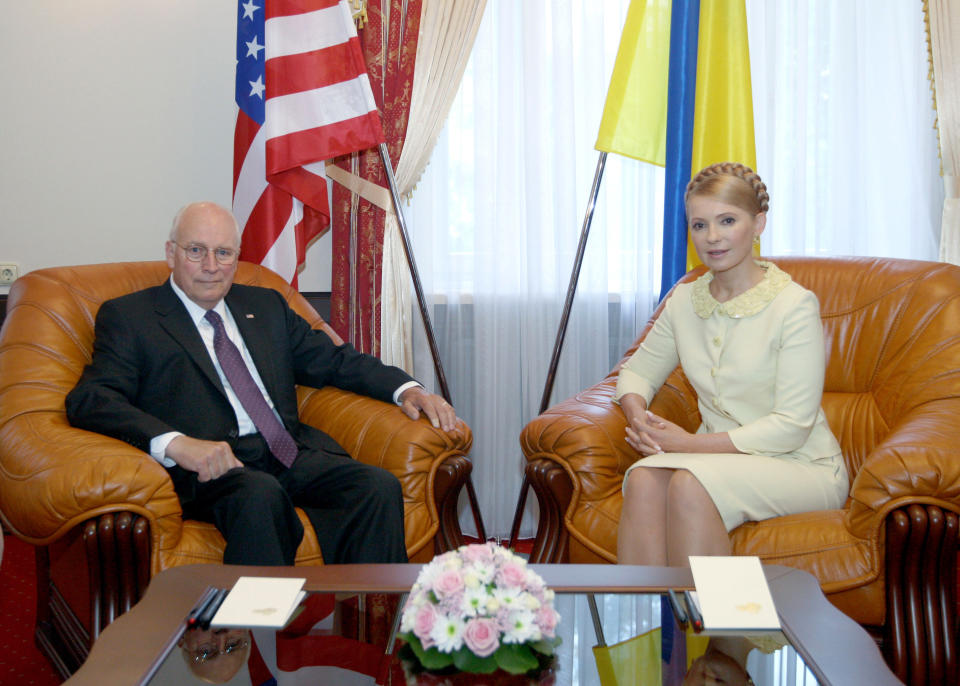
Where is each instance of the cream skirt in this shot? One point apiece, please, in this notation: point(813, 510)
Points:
point(756, 487)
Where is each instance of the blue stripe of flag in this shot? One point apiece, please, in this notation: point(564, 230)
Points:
point(681, 96)
point(251, 79)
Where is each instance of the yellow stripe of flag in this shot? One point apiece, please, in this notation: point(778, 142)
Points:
point(723, 113)
point(638, 660)
point(634, 119)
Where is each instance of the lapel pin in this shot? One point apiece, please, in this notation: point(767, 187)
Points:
point(249, 316)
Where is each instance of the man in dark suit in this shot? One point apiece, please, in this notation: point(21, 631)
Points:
point(201, 374)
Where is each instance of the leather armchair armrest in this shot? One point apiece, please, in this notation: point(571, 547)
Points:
point(918, 462)
point(380, 434)
point(587, 433)
point(584, 434)
point(56, 476)
point(585, 438)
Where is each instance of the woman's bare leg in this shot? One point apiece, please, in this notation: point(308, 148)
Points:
point(694, 525)
point(641, 534)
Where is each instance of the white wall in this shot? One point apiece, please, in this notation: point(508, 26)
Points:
point(114, 114)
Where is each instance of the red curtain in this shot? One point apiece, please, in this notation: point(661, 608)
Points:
point(389, 43)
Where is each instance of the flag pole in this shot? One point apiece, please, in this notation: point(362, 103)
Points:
point(561, 332)
point(425, 315)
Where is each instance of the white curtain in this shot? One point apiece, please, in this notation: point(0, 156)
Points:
point(447, 31)
point(944, 19)
point(496, 221)
point(845, 141)
point(844, 125)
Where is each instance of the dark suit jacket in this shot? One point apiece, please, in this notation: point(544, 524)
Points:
point(152, 374)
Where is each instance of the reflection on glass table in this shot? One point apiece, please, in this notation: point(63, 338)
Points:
point(215, 655)
point(348, 616)
point(342, 640)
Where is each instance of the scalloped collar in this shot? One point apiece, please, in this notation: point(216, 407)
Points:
point(748, 303)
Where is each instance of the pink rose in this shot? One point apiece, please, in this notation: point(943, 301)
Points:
point(512, 575)
point(478, 552)
point(482, 637)
point(448, 583)
point(546, 618)
point(423, 623)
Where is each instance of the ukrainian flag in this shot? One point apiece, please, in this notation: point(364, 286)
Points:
point(680, 97)
point(639, 660)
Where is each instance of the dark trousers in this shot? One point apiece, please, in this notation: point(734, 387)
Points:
point(356, 509)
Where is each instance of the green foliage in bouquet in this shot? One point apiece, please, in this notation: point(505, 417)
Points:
point(479, 609)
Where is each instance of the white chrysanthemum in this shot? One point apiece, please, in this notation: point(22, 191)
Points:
point(428, 575)
point(521, 628)
point(475, 601)
point(414, 602)
point(484, 571)
point(447, 633)
point(509, 598)
point(406, 620)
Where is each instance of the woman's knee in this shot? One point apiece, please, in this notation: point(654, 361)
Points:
point(644, 483)
point(685, 487)
point(688, 501)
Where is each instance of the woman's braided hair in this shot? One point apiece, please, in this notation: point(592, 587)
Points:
point(732, 183)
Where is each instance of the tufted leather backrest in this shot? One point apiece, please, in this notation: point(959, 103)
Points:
point(45, 342)
point(48, 331)
point(888, 329)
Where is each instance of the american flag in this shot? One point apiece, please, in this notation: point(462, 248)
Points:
point(304, 97)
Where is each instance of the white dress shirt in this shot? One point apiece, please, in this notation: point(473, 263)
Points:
point(158, 445)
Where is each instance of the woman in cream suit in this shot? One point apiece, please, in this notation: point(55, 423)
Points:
point(750, 341)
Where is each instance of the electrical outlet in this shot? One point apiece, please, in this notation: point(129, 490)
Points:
point(9, 271)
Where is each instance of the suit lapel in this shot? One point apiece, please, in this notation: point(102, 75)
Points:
point(175, 319)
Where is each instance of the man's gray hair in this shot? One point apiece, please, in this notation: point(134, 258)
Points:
point(178, 217)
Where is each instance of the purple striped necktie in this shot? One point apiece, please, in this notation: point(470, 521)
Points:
point(235, 369)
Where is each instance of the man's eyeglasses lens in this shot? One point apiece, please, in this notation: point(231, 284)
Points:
point(209, 652)
point(198, 253)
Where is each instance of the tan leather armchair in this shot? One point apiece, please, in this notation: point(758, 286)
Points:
point(892, 397)
point(104, 515)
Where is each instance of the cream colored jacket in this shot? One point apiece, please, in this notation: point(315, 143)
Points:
point(756, 363)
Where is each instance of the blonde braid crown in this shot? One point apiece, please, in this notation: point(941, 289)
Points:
point(709, 181)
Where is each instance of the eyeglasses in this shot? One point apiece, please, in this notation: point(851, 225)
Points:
point(198, 253)
point(210, 651)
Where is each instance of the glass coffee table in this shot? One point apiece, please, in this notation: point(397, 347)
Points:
point(150, 645)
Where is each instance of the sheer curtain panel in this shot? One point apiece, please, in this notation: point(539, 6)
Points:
point(845, 128)
point(447, 31)
point(944, 19)
point(496, 221)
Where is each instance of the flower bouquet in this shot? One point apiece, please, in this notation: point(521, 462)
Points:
point(479, 610)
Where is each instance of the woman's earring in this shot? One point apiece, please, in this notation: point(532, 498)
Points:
point(756, 241)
